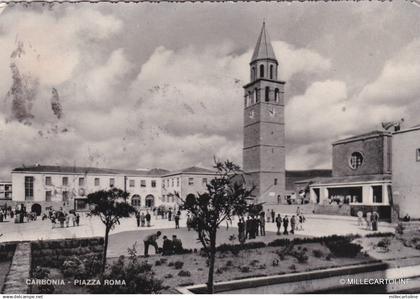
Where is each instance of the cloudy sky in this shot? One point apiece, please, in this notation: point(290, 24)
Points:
point(160, 85)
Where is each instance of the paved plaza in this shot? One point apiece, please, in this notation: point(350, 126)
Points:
point(127, 233)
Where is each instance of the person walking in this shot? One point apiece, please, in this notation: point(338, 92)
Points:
point(301, 221)
point(138, 218)
point(369, 220)
point(278, 223)
point(53, 221)
point(359, 218)
point(188, 222)
point(252, 228)
point(151, 240)
point(142, 219)
point(77, 219)
point(273, 215)
point(375, 219)
point(256, 226)
point(292, 224)
point(176, 221)
point(285, 224)
point(262, 224)
point(248, 228)
point(241, 231)
point(148, 218)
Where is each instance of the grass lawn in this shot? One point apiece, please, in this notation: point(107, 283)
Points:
point(403, 250)
point(248, 263)
point(400, 251)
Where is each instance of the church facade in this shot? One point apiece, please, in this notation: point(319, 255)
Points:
point(264, 132)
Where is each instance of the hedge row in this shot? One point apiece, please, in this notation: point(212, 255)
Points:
point(235, 248)
point(7, 251)
point(57, 261)
point(78, 251)
point(67, 243)
point(53, 253)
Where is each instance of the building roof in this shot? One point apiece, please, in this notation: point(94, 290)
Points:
point(86, 170)
point(363, 136)
point(263, 48)
point(349, 179)
point(191, 170)
point(413, 128)
point(295, 176)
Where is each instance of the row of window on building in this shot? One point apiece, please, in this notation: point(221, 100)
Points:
point(253, 96)
point(271, 72)
point(132, 183)
point(97, 182)
point(175, 182)
point(65, 196)
point(169, 198)
point(5, 191)
point(170, 182)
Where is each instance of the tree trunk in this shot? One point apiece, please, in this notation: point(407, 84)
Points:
point(105, 250)
point(212, 257)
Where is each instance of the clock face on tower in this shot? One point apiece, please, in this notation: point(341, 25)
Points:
point(272, 111)
point(251, 114)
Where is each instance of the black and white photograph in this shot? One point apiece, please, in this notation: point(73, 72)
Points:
point(210, 148)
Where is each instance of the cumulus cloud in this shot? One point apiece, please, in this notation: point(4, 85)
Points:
point(395, 93)
point(294, 61)
point(95, 103)
point(326, 112)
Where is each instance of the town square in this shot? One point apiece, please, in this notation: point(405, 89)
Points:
point(209, 148)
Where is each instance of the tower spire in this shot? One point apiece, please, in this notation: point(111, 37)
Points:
point(263, 49)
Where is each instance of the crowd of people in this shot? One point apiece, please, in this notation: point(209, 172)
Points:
point(249, 228)
point(144, 218)
point(61, 218)
point(254, 225)
point(169, 246)
point(19, 214)
point(370, 221)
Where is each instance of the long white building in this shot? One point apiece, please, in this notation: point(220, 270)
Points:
point(42, 187)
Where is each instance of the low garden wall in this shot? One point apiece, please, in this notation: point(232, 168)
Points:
point(295, 283)
point(53, 253)
point(292, 208)
point(19, 270)
point(343, 210)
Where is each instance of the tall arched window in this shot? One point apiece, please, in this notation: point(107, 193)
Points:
point(267, 93)
point(262, 71)
point(276, 95)
point(253, 73)
point(250, 97)
point(271, 71)
point(257, 95)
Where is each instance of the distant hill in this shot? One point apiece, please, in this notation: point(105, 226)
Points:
point(298, 175)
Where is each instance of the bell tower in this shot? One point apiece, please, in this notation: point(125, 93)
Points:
point(264, 137)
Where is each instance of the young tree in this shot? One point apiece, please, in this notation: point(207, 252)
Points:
point(225, 196)
point(109, 206)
